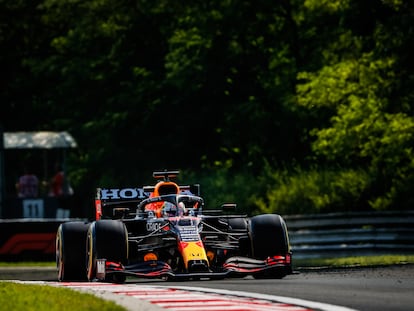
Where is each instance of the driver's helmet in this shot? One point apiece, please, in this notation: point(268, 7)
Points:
point(169, 210)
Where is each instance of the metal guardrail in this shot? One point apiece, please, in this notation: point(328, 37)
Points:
point(351, 234)
point(311, 236)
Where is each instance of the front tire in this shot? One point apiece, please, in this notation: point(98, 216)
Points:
point(70, 251)
point(269, 237)
point(106, 239)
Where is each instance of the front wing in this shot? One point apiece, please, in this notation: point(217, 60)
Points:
point(233, 267)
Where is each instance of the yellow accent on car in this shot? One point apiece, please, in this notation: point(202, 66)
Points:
point(193, 251)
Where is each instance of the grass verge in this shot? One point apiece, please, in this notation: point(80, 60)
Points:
point(363, 261)
point(31, 297)
point(27, 264)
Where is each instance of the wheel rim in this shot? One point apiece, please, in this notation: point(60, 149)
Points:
point(59, 256)
point(90, 257)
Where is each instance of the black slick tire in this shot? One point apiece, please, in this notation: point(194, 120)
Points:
point(71, 251)
point(107, 239)
point(269, 237)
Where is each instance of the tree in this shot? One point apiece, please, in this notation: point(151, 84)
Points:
point(370, 124)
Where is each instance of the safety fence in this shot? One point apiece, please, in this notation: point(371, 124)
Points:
point(311, 236)
point(351, 234)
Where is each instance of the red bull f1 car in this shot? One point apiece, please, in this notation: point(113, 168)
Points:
point(165, 231)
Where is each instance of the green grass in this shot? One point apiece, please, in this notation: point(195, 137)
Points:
point(31, 297)
point(27, 264)
point(363, 261)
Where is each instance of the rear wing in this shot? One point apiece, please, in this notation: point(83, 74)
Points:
point(120, 194)
point(109, 201)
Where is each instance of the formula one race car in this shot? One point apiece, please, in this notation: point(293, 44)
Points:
point(163, 232)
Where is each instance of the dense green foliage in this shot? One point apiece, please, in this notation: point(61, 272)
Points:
point(35, 297)
point(283, 106)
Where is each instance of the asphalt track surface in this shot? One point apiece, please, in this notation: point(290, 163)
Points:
point(389, 288)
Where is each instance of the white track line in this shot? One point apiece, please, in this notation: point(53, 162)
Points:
point(184, 298)
point(281, 299)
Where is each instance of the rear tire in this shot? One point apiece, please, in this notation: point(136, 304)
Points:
point(269, 237)
point(106, 239)
point(71, 251)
